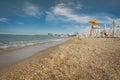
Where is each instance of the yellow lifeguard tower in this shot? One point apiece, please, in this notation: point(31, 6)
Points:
point(93, 31)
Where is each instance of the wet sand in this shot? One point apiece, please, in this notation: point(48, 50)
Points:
point(9, 58)
point(76, 59)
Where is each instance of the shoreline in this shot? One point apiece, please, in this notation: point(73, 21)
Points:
point(7, 51)
point(18, 55)
point(86, 59)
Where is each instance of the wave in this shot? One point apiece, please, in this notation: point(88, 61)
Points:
point(4, 45)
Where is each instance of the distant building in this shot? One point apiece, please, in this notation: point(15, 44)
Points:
point(50, 34)
point(60, 35)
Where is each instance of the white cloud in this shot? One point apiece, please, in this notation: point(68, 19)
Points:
point(3, 19)
point(109, 20)
point(78, 22)
point(117, 22)
point(31, 10)
point(74, 5)
point(77, 28)
point(64, 11)
point(104, 19)
point(20, 23)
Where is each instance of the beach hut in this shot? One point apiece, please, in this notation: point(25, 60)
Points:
point(93, 31)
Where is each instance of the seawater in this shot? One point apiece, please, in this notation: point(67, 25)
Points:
point(17, 41)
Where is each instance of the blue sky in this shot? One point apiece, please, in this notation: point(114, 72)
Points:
point(55, 16)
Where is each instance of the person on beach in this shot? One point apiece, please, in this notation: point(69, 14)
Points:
point(104, 34)
point(78, 35)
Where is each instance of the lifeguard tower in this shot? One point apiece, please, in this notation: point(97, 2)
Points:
point(94, 28)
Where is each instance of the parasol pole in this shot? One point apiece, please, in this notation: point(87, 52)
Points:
point(104, 26)
point(113, 28)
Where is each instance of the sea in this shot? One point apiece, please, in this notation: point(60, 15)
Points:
point(8, 41)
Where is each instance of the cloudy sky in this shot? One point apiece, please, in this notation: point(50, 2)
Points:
point(55, 16)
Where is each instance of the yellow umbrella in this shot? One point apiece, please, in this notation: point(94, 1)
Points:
point(95, 22)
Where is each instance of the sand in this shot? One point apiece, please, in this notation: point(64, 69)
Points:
point(76, 59)
point(16, 56)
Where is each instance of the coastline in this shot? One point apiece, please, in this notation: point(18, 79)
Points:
point(17, 55)
point(7, 51)
point(87, 59)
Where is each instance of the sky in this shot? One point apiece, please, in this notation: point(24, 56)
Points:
point(56, 16)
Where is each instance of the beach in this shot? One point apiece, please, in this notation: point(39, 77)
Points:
point(75, 59)
point(11, 57)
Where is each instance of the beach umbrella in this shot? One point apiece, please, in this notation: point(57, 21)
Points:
point(94, 22)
